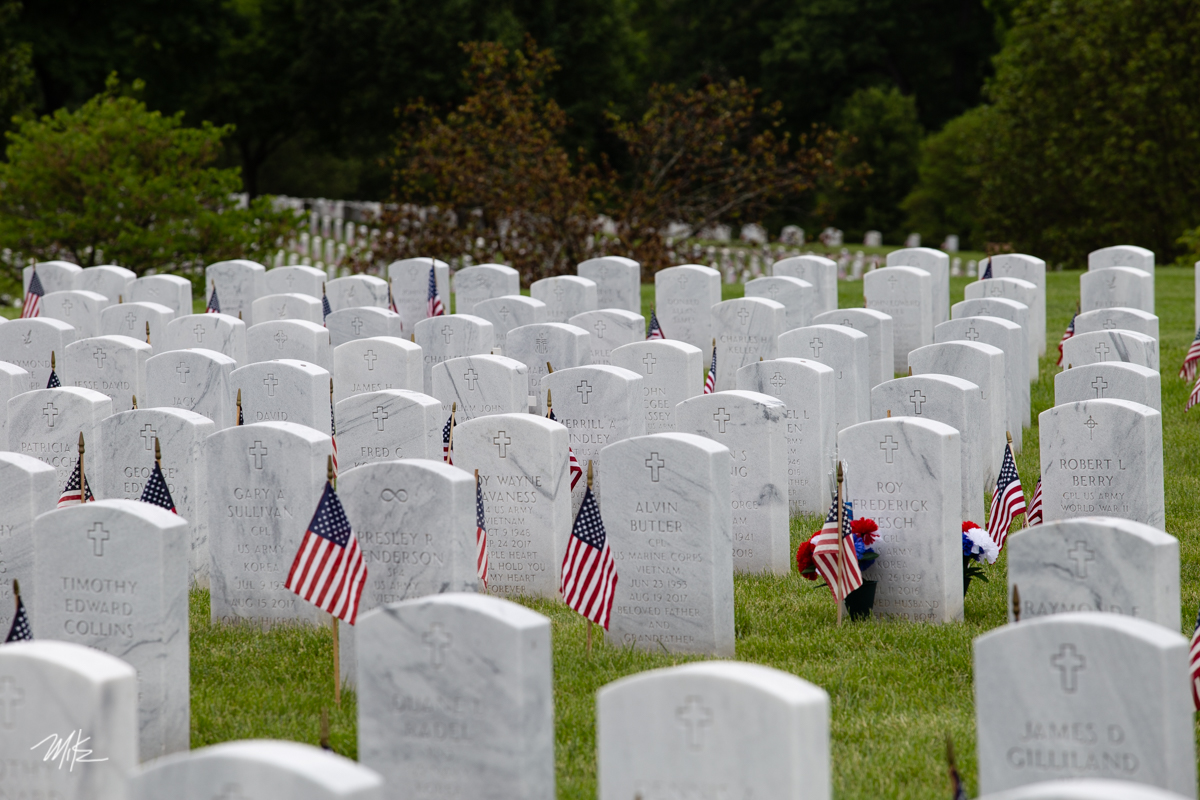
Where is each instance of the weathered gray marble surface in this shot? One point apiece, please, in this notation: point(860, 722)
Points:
point(172, 291)
point(195, 380)
point(27, 488)
point(113, 575)
point(456, 698)
point(300, 279)
point(481, 282)
point(108, 280)
point(937, 264)
point(284, 391)
point(296, 339)
point(715, 729)
point(381, 362)
point(564, 296)
point(451, 336)
point(819, 271)
point(746, 330)
point(57, 688)
point(1129, 319)
point(508, 312)
point(610, 328)
point(28, 343)
point(846, 351)
point(1082, 694)
point(905, 295)
point(221, 332)
point(618, 281)
point(1111, 345)
point(239, 283)
point(1113, 287)
point(79, 309)
point(364, 322)
point(357, 291)
point(753, 427)
point(386, 425)
point(56, 276)
point(410, 287)
point(561, 345)
point(1102, 457)
point(682, 298)
point(1007, 336)
point(1011, 310)
point(903, 473)
point(671, 373)
point(1109, 380)
point(1032, 269)
point(46, 424)
point(130, 319)
point(670, 526)
point(112, 365)
point(481, 385)
point(881, 340)
point(128, 441)
point(289, 305)
point(797, 296)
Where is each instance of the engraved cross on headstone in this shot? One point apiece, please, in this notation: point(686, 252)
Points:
point(472, 378)
point(280, 339)
point(504, 313)
point(447, 332)
point(130, 320)
point(743, 314)
point(1109, 324)
point(1081, 555)
point(972, 334)
point(889, 446)
point(182, 370)
point(1091, 425)
point(1099, 385)
point(379, 415)
point(694, 716)
point(67, 305)
point(258, 450)
point(600, 327)
point(99, 355)
point(654, 463)
point(370, 358)
point(502, 440)
point(437, 640)
point(98, 536)
point(649, 360)
point(918, 400)
point(1068, 662)
point(50, 412)
point(270, 382)
point(356, 325)
point(778, 381)
point(148, 434)
point(585, 389)
point(816, 344)
point(1102, 350)
point(721, 417)
point(198, 332)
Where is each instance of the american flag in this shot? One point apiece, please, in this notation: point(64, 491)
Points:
point(1009, 500)
point(214, 305)
point(435, 302)
point(156, 492)
point(1034, 515)
point(987, 273)
point(1194, 397)
point(20, 632)
point(329, 570)
point(333, 430)
point(589, 574)
point(710, 380)
point(391, 299)
point(326, 309)
point(1067, 334)
point(241, 418)
point(825, 553)
point(33, 298)
point(576, 470)
point(70, 492)
point(1194, 664)
point(1188, 370)
point(447, 456)
point(656, 331)
point(481, 559)
point(53, 383)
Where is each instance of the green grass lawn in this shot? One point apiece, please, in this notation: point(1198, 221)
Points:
point(897, 689)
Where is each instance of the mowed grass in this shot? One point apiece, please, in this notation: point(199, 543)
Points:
point(896, 689)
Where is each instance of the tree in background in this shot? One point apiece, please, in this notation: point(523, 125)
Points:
point(117, 182)
point(947, 197)
point(16, 74)
point(1092, 133)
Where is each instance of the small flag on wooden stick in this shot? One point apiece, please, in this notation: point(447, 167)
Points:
point(20, 631)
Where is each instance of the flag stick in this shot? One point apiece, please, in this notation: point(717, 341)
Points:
point(589, 486)
point(549, 402)
point(157, 454)
point(1016, 604)
point(549, 369)
point(337, 665)
point(147, 331)
point(82, 481)
point(239, 407)
point(135, 402)
point(841, 553)
point(52, 361)
point(16, 595)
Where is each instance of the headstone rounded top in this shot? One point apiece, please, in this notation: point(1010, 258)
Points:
point(987, 349)
point(616, 372)
point(1149, 633)
point(95, 665)
point(311, 435)
point(925, 425)
point(412, 465)
point(764, 302)
point(703, 442)
point(420, 261)
point(673, 344)
point(583, 316)
point(767, 280)
point(1147, 533)
point(687, 267)
point(909, 269)
point(394, 341)
point(1098, 273)
point(783, 686)
point(24, 462)
point(311, 369)
point(917, 257)
point(975, 303)
point(429, 322)
point(183, 414)
point(517, 299)
point(836, 330)
point(241, 263)
point(49, 322)
point(510, 614)
point(298, 324)
point(567, 278)
point(157, 516)
point(622, 260)
point(91, 395)
point(820, 261)
point(1085, 789)
point(202, 352)
point(1122, 255)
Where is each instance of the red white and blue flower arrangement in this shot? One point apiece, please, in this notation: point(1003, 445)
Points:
point(864, 534)
point(978, 548)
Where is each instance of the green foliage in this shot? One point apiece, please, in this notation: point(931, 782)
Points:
point(887, 136)
point(946, 199)
point(16, 74)
point(117, 182)
point(1094, 133)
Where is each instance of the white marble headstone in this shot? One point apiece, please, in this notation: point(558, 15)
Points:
point(1007, 337)
point(937, 264)
point(410, 287)
point(290, 305)
point(906, 295)
point(481, 385)
point(798, 297)
point(456, 698)
point(56, 276)
point(56, 688)
point(1032, 269)
point(264, 482)
point(683, 297)
point(79, 309)
point(28, 488)
point(846, 351)
point(618, 282)
point(880, 336)
point(1011, 310)
point(671, 373)
point(1109, 380)
point(1102, 457)
point(746, 330)
point(365, 322)
point(482, 282)
point(610, 328)
point(219, 332)
point(46, 423)
point(1082, 694)
point(1124, 255)
point(239, 283)
point(388, 424)
point(128, 441)
point(1107, 319)
point(1114, 287)
point(819, 271)
point(508, 312)
point(526, 487)
point(668, 519)
point(451, 336)
point(28, 344)
point(715, 729)
point(113, 575)
point(564, 296)
point(284, 391)
point(1085, 789)
point(357, 291)
point(297, 279)
point(561, 345)
point(381, 362)
point(195, 380)
point(130, 319)
point(806, 388)
point(903, 473)
point(171, 291)
point(112, 365)
point(753, 427)
point(1111, 345)
point(296, 339)
point(13, 381)
point(108, 280)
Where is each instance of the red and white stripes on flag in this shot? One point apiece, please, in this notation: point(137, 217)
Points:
point(447, 434)
point(1194, 665)
point(1067, 334)
point(576, 470)
point(825, 553)
point(710, 380)
point(589, 574)
point(71, 493)
point(1034, 515)
point(329, 570)
point(1008, 502)
point(1188, 370)
point(435, 307)
point(333, 435)
point(33, 296)
point(481, 558)
point(1194, 397)
point(656, 331)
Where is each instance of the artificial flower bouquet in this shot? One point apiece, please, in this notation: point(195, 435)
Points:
point(978, 548)
point(862, 531)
